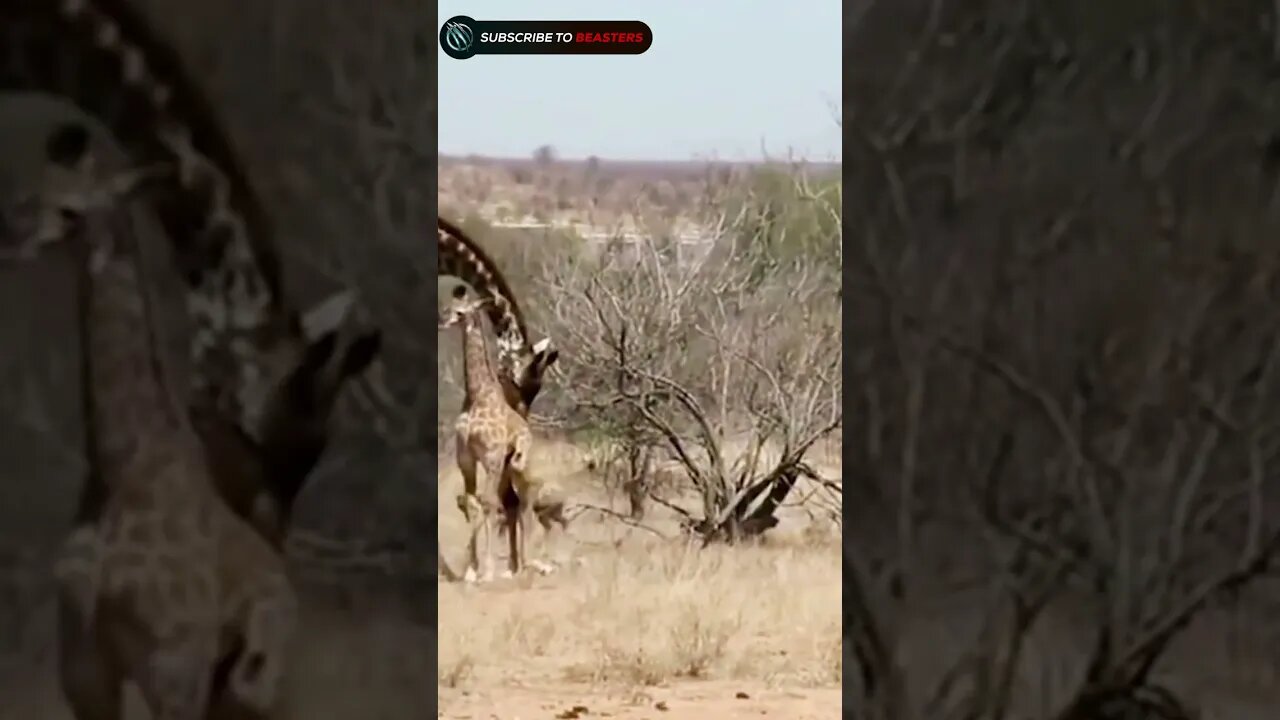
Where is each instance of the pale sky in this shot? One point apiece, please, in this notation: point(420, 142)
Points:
point(722, 77)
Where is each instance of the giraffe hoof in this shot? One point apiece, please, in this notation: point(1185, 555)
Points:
point(470, 576)
point(507, 574)
point(542, 568)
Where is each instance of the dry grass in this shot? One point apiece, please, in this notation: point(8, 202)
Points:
point(630, 610)
point(651, 613)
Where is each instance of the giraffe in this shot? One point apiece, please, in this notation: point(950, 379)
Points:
point(255, 360)
point(493, 436)
point(265, 376)
point(168, 576)
point(522, 364)
point(102, 57)
point(549, 506)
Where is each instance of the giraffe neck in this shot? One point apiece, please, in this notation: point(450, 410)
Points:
point(132, 408)
point(102, 57)
point(481, 384)
point(458, 256)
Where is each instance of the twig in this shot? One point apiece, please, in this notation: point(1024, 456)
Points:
point(584, 507)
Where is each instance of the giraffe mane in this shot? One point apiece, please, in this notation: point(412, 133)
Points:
point(522, 364)
point(474, 267)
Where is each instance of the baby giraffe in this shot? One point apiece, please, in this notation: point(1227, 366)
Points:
point(168, 573)
point(492, 434)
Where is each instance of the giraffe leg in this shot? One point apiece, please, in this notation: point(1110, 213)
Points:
point(515, 487)
point(90, 682)
point(515, 539)
point(78, 574)
point(526, 489)
point(258, 674)
point(491, 501)
point(471, 507)
point(550, 513)
point(443, 568)
point(475, 522)
point(176, 679)
point(511, 525)
point(531, 552)
point(522, 518)
point(488, 530)
point(518, 514)
point(467, 467)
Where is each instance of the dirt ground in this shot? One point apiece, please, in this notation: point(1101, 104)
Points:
point(509, 664)
point(637, 626)
point(725, 700)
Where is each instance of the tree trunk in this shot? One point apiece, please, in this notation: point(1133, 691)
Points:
point(637, 485)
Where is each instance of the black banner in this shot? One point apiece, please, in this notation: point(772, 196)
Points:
point(462, 37)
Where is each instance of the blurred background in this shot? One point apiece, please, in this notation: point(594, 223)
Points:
point(1064, 266)
point(332, 109)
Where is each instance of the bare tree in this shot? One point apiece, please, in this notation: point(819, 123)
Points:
point(544, 156)
point(1064, 348)
point(683, 358)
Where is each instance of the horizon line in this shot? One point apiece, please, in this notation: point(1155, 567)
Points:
point(604, 158)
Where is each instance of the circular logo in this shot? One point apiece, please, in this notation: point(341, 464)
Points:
point(458, 37)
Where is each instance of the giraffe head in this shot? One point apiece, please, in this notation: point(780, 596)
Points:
point(461, 307)
point(71, 187)
point(524, 364)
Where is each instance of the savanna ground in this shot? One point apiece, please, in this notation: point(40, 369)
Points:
point(640, 626)
point(698, 307)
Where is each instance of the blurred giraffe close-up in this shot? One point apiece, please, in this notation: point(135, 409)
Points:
point(219, 444)
point(264, 378)
point(261, 371)
point(168, 583)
